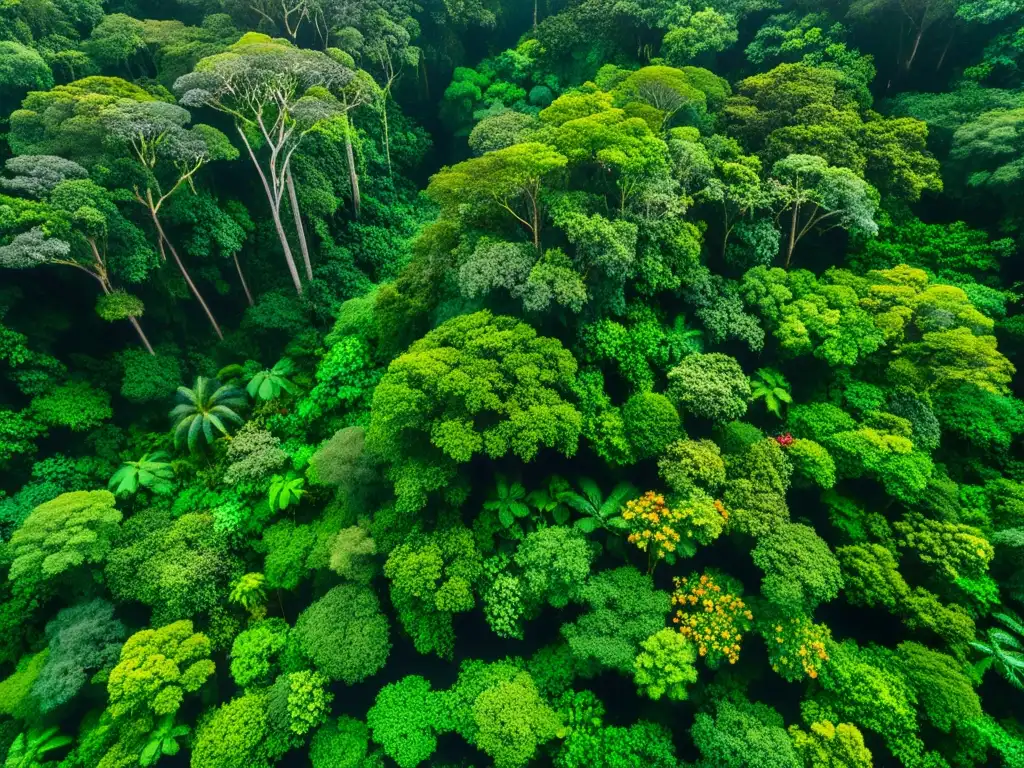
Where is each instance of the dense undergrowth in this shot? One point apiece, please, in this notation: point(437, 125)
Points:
point(468, 382)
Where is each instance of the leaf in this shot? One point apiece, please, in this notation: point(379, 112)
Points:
point(561, 515)
point(587, 524)
point(519, 509)
point(506, 517)
point(267, 389)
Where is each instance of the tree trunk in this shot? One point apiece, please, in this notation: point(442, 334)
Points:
point(275, 214)
point(135, 323)
point(913, 51)
point(241, 276)
point(792, 234)
point(299, 228)
point(535, 14)
point(353, 176)
point(945, 50)
point(142, 335)
point(184, 273)
point(387, 135)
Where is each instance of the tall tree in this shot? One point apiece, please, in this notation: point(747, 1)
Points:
point(154, 132)
point(276, 94)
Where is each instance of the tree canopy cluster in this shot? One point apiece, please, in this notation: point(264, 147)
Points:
point(583, 383)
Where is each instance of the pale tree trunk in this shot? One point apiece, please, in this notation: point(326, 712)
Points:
point(792, 234)
point(913, 51)
point(241, 276)
point(184, 273)
point(275, 214)
point(353, 176)
point(387, 135)
point(293, 198)
point(101, 278)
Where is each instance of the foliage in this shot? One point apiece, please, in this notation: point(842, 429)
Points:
point(710, 386)
point(63, 537)
point(665, 665)
point(624, 609)
point(711, 616)
point(344, 633)
point(404, 720)
point(524, 267)
point(157, 667)
point(203, 411)
point(152, 471)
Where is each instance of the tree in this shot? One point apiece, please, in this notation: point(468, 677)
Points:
point(514, 401)
point(706, 32)
point(157, 667)
point(344, 634)
point(941, 684)
point(555, 562)
point(667, 90)
point(432, 578)
point(504, 179)
point(276, 94)
point(800, 570)
point(38, 175)
point(665, 666)
point(22, 69)
point(62, 539)
point(624, 609)
point(405, 720)
point(512, 720)
point(826, 744)
point(181, 567)
point(255, 652)
point(651, 423)
point(822, 196)
point(352, 555)
point(710, 386)
point(743, 734)
point(234, 735)
point(83, 641)
point(205, 410)
point(154, 132)
point(81, 228)
point(340, 743)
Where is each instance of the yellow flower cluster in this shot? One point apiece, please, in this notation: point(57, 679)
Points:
point(655, 526)
point(797, 645)
point(711, 617)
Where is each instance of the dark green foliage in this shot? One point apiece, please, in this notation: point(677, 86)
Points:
point(84, 643)
point(465, 343)
point(344, 634)
point(623, 610)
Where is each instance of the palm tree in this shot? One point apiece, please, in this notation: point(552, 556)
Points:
point(268, 384)
point(204, 410)
point(1003, 650)
point(598, 511)
point(771, 385)
point(151, 471)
